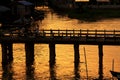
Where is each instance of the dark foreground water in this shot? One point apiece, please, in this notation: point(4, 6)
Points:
point(64, 68)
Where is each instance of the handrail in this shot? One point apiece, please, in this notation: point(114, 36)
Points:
point(74, 33)
point(81, 32)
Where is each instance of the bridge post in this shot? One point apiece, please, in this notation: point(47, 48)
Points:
point(52, 71)
point(7, 53)
point(52, 53)
point(76, 53)
point(100, 62)
point(29, 49)
point(76, 61)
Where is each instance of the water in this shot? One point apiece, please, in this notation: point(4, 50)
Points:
point(64, 68)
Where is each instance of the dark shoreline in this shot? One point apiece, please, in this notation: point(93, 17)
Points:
point(90, 14)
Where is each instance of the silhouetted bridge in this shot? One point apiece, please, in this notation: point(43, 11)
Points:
point(94, 37)
point(52, 37)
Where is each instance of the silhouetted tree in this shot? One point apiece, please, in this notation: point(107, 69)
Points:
point(115, 2)
point(92, 1)
point(5, 2)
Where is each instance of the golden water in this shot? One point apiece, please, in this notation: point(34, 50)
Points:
point(64, 68)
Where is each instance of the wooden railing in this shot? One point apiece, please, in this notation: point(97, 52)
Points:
point(80, 33)
point(67, 33)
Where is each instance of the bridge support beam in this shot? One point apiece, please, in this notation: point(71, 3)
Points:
point(100, 62)
point(7, 53)
point(29, 49)
point(76, 53)
point(76, 60)
point(52, 53)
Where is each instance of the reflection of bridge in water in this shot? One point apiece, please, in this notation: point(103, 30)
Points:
point(52, 37)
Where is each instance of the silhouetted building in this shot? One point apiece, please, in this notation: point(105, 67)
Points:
point(19, 11)
point(67, 4)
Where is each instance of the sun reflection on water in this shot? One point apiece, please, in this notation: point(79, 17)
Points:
point(64, 67)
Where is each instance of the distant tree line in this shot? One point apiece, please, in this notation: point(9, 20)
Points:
point(5, 2)
point(112, 2)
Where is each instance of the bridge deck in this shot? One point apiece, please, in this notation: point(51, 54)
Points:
point(105, 37)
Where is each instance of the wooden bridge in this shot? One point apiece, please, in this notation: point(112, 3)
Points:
point(94, 37)
point(52, 37)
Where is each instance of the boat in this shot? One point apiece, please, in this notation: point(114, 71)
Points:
point(115, 74)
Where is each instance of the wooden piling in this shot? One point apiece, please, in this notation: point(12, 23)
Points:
point(7, 53)
point(52, 53)
point(30, 72)
point(29, 49)
point(76, 70)
point(52, 71)
point(10, 52)
point(100, 62)
point(76, 53)
point(76, 61)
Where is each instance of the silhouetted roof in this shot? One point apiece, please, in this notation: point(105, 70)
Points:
point(26, 3)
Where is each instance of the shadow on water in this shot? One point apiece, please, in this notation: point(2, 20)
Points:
point(89, 14)
point(7, 72)
point(93, 15)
